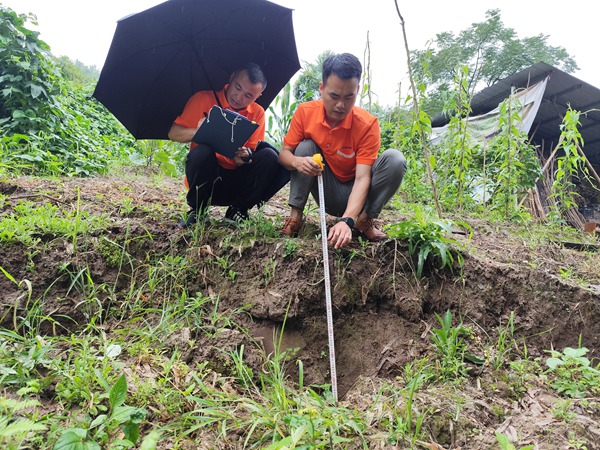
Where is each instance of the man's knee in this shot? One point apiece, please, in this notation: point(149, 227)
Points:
point(265, 159)
point(199, 155)
point(307, 148)
point(395, 161)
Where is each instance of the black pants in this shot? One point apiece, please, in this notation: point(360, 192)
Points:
point(247, 186)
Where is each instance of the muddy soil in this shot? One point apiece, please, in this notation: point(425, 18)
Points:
point(383, 315)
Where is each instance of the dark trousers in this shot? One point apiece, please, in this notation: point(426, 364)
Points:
point(245, 187)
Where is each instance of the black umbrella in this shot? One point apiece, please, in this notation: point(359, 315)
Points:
point(161, 56)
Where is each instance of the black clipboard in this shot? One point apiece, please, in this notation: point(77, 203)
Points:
point(224, 131)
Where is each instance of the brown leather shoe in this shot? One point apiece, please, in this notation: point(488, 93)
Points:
point(367, 227)
point(292, 226)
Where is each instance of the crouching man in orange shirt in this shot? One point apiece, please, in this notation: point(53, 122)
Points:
point(213, 179)
point(357, 183)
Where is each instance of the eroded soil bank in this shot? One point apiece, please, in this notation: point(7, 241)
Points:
point(383, 315)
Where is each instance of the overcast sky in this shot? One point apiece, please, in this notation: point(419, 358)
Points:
point(83, 30)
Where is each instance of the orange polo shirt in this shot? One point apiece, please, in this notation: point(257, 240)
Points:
point(201, 102)
point(356, 140)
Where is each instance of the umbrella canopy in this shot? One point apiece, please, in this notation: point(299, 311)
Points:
point(161, 56)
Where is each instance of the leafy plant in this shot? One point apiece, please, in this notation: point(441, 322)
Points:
point(47, 125)
point(290, 247)
point(568, 166)
point(572, 374)
point(403, 424)
point(450, 344)
point(505, 443)
point(280, 115)
point(168, 157)
point(14, 428)
point(106, 427)
point(428, 237)
point(510, 161)
point(504, 344)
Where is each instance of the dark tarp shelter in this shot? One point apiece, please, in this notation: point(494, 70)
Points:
point(561, 92)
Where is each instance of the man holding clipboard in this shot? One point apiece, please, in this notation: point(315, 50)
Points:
point(248, 176)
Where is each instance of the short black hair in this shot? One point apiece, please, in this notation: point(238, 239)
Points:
point(343, 65)
point(254, 72)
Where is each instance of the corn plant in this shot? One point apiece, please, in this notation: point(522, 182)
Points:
point(280, 116)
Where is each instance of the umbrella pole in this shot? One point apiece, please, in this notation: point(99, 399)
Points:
point(318, 159)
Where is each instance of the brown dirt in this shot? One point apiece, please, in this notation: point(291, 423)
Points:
point(382, 314)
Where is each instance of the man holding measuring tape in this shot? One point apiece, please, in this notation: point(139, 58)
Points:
point(357, 183)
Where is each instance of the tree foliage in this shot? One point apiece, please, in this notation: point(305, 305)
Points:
point(491, 52)
point(306, 86)
point(28, 80)
point(49, 124)
point(76, 72)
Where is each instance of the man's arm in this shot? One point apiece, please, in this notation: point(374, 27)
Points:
point(178, 133)
point(340, 234)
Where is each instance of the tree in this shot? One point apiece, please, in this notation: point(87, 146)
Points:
point(48, 123)
point(489, 50)
point(29, 82)
point(306, 86)
point(76, 72)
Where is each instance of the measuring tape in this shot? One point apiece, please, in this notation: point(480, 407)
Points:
point(319, 160)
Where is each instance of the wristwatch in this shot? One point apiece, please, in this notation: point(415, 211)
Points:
point(348, 221)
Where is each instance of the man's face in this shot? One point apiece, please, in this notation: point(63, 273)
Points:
point(241, 92)
point(338, 97)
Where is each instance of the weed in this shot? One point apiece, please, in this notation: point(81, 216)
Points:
point(428, 237)
point(562, 410)
point(30, 220)
point(450, 344)
point(290, 247)
point(23, 360)
point(120, 425)
point(504, 345)
point(403, 425)
point(270, 269)
point(127, 206)
point(14, 428)
point(572, 374)
point(568, 273)
point(505, 443)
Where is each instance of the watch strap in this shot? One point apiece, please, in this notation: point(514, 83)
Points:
point(348, 221)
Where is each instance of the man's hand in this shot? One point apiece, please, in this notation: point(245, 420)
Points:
point(242, 156)
point(307, 166)
point(339, 235)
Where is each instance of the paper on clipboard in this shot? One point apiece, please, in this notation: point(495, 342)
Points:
point(224, 131)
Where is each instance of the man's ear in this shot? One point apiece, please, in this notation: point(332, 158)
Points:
point(321, 88)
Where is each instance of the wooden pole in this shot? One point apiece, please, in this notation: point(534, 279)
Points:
point(589, 165)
